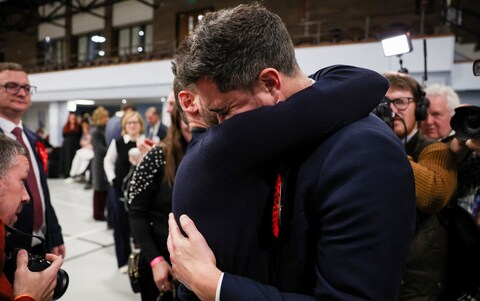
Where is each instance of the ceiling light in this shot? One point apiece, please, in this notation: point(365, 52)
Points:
point(98, 39)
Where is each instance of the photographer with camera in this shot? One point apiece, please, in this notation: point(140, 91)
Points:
point(444, 101)
point(434, 170)
point(28, 285)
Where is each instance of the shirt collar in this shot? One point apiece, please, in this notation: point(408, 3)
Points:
point(412, 134)
point(8, 126)
point(127, 138)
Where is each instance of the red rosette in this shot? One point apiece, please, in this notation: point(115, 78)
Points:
point(42, 153)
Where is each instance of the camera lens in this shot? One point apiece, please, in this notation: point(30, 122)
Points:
point(62, 284)
point(466, 122)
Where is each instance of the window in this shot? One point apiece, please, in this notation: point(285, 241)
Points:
point(135, 39)
point(90, 47)
point(187, 21)
point(51, 52)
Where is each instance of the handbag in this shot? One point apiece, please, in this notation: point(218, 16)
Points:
point(126, 183)
point(133, 271)
point(463, 266)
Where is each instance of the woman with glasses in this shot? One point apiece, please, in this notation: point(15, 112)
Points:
point(117, 166)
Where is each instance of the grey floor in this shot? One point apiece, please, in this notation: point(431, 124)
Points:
point(90, 260)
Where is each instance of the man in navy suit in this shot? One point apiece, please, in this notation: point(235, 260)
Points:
point(15, 99)
point(345, 214)
point(156, 130)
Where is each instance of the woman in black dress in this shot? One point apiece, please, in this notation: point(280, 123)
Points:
point(150, 201)
point(72, 132)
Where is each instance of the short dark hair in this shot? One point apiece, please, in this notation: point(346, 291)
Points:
point(153, 110)
point(402, 81)
point(11, 66)
point(128, 106)
point(232, 46)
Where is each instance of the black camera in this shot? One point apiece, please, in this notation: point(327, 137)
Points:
point(384, 111)
point(36, 263)
point(466, 122)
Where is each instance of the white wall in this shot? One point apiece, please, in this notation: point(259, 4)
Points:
point(152, 80)
point(141, 80)
point(440, 51)
point(49, 29)
point(128, 12)
point(85, 22)
point(124, 13)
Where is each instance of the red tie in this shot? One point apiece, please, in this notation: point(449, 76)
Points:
point(32, 185)
point(277, 207)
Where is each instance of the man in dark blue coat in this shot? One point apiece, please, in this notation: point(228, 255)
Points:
point(156, 130)
point(15, 99)
point(341, 224)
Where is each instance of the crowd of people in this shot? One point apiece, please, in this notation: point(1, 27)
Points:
point(269, 184)
point(104, 158)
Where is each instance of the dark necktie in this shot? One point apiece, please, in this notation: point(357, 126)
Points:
point(32, 185)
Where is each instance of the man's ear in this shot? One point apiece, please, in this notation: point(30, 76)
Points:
point(186, 100)
point(270, 79)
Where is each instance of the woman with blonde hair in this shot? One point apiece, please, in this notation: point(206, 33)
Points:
point(99, 180)
point(117, 166)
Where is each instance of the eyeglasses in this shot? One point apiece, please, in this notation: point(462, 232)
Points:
point(14, 88)
point(133, 122)
point(400, 103)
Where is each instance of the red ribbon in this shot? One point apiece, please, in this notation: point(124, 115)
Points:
point(42, 153)
point(276, 206)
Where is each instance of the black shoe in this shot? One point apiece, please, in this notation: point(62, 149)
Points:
point(88, 186)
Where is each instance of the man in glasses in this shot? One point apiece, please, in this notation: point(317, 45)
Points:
point(434, 170)
point(38, 216)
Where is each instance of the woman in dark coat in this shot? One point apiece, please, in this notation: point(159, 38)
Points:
point(72, 132)
point(150, 201)
point(99, 180)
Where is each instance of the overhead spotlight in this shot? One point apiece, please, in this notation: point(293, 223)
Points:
point(85, 102)
point(124, 101)
point(98, 39)
point(71, 106)
point(398, 45)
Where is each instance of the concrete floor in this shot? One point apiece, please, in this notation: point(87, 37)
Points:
point(90, 261)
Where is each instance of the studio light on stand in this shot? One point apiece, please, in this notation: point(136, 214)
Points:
point(398, 45)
